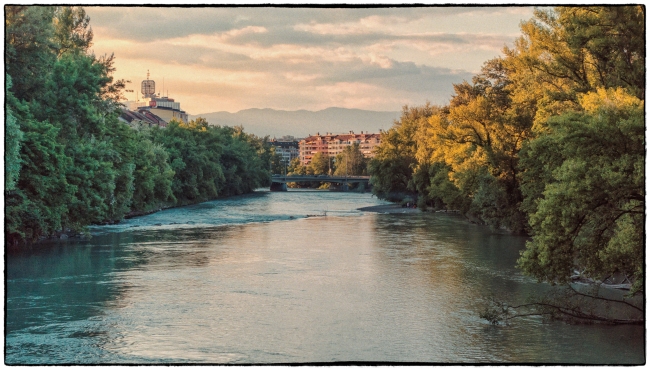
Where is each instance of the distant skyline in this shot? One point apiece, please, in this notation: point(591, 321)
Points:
point(229, 59)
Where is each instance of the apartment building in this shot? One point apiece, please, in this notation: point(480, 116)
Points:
point(287, 149)
point(333, 144)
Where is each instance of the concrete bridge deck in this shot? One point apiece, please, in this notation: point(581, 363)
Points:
point(279, 182)
point(321, 178)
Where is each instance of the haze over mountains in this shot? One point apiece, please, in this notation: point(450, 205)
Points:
point(301, 123)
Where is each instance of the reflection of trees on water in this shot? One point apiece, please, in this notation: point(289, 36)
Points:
point(76, 280)
point(573, 303)
point(461, 265)
point(449, 249)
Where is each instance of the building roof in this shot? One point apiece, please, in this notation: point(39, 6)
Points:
point(284, 144)
point(341, 137)
point(142, 116)
point(152, 117)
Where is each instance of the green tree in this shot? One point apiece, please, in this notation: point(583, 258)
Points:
point(92, 137)
point(590, 216)
point(152, 176)
point(245, 162)
point(277, 163)
point(76, 163)
point(296, 167)
point(39, 204)
point(435, 189)
point(259, 166)
point(29, 49)
point(64, 100)
point(198, 173)
point(391, 169)
point(213, 161)
point(320, 164)
point(351, 162)
point(13, 138)
point(72, 32)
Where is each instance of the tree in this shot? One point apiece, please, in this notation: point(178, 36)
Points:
point(392, 167)
point(70, 162)
point(144, 173)
point(476, 141)
point(13, 138)
point(435, 189)
point(244, 167)
point(575, 50)
point(351, 162)
point(72, 32)
point(320, 164)
point(296, 168)
point(277, 163)
point(39, 204)
point(194, 155)
point(29, 52)
point(579, 173)
point(213, 161)
point(589, 218)
point(91, 135)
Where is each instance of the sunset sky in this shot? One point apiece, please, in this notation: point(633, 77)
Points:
point(229, 59)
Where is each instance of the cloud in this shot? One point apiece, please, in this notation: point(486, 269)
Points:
point(146, 23)
point(225, 58)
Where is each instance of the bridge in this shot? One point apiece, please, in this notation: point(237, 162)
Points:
point(340, 183)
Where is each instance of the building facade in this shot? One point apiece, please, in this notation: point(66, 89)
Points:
point(287, 149)
point(333, 144)
point(167, 109)
point(162, 107)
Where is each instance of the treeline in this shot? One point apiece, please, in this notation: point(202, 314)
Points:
point(69, 161)
point(548, 140)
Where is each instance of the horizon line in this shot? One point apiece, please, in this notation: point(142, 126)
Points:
point(296, 110)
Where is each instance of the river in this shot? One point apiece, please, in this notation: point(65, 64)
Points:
point(252, 280)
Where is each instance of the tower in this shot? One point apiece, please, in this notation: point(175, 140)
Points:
point(148, 87)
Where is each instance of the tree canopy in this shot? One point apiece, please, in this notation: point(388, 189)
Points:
point(70, 161)
point(547, 139)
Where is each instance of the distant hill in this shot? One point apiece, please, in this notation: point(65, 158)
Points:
point(300, 123)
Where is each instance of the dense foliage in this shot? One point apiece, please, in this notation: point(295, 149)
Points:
point(69, 161)
point(547, 140)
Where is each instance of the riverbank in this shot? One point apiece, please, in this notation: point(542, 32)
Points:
point(73, 235)
point(389, 208)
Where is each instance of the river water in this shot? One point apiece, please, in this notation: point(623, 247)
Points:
point(252, 280)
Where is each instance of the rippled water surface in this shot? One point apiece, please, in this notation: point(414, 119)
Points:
point(253, 280)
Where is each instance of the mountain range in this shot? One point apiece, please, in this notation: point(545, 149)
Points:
point(301, 123)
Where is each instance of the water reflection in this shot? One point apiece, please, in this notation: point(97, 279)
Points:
point(347, 287)
point(64, 293)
